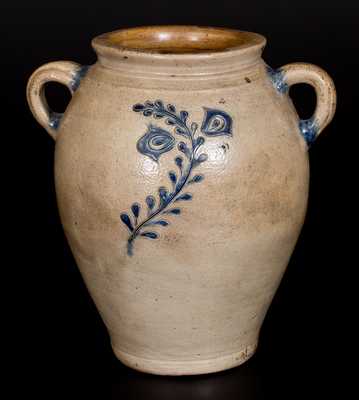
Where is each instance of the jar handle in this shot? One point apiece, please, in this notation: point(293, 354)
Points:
point(325, 92)
point(66, 72)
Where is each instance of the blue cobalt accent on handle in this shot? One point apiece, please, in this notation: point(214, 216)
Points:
point(278, 79)
point(307, 127)
point(79, 74)
point(309, 130)
point(157, 141)
point(55, 118)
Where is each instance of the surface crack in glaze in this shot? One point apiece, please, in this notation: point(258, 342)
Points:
point(157, 141)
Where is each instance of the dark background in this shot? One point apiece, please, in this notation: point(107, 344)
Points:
point(307, 340)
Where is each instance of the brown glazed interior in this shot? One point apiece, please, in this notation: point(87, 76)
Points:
point(179, 39)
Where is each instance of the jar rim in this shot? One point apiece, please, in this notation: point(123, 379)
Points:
point(175, 40)
point(136, 51)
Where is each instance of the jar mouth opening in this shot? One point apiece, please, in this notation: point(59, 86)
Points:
point(177, 40)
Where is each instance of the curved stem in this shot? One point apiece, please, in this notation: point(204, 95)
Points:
point(169, 200)
point(165, 205)
point(179, 122)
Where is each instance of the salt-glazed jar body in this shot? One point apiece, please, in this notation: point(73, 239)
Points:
point(181, 172)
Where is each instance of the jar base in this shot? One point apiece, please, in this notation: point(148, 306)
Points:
point(190, 367)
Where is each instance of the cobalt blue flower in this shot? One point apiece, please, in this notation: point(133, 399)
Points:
point(155, 142)
point(216, 123)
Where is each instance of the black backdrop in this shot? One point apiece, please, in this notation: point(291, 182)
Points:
point(306, 340)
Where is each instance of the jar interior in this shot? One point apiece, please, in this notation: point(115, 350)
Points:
point(179, 39)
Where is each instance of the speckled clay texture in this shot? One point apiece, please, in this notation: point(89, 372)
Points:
point(192, 299)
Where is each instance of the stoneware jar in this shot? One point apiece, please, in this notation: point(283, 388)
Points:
point(181, 170)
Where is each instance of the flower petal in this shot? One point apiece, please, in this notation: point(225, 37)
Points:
point(216, 123)
point(155, 142)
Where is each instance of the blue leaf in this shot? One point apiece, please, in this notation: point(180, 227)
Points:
point(150, 235)
point(130, 247)
point(159, 104)
point(157, 115)
point(163, 193)
point(160, 222)
point(194, 127)
point(173, 177)
point(202, 157)
point(180, 131)
point(171, 107)
point(135, 209)
point(150, 200)
point(127, 221)
point(138, 107)
point(196, 179)
point(147, 113)
point(199, 141)
point(175, 211)
point(179, 162)
point(184, 149)
point(186, 196)
point(183, 115)
point(170, 121)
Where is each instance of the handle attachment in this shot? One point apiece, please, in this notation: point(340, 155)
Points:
point(66, 72)
point(323, 85)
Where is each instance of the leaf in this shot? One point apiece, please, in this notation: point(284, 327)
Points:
point(179, 162)
point(199, 141)
point(147, 113)
point(172, 175)
point(196, 179)
point(159, 104)
point(161, 222)
point(163, 193)
point(171, 107)
point(138, 107)
point(150, 200)
point(184, 149)
point(175, 211)
point(150, 235)
point(157, 115)
point(149, 104)
point(127, 221)
point(180, 131)
point(186, 196)
point(183, 115)
point(194, 127)
point(135, 209)
point(202, 157)
point(170, 121)
point(130, 247)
